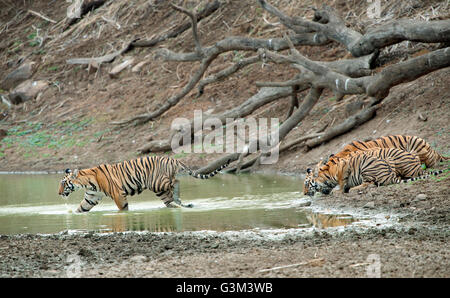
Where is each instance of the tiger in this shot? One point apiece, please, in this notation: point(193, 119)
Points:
point(393, 166)
point(117, 181)
point(352, 171)
point(412, 144)
point(404, 164)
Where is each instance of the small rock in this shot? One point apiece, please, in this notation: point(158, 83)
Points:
point(421, 197)
point(20, 74)
point(369, 205)
point(138, 259)
point(114, 73)
point(422, 117)
point(137, 67)
point(27, 90)
point(83, 252)
point(412, 231)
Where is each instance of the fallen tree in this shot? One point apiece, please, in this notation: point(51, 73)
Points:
point(209, 9)
point(329, 24)
point(320, 77)
point(353, 76)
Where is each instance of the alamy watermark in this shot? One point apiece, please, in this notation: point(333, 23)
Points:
point(74, 269)
point(373, 270)
point(213, 135)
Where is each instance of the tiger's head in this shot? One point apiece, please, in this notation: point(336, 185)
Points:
point(328, 174)
point(310, 185)
point(326, 178)
point(68, 184)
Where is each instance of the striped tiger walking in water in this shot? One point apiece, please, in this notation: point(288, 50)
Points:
point(117, 181)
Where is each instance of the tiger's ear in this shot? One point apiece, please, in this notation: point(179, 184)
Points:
point(67, 171)
point(318, 167)
point(308, 171)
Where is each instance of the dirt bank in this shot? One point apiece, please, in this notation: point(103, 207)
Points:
point(69, 124)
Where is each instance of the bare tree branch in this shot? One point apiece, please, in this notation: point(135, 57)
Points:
point(308, 103)
point(294, 100)
point(254, 161)
point(208, 10)
point(172, 101)
point(193, 17)
point(263, 97)
point(327, 22)
point(207, 55)
point(347, 125)
point(377, 86)
point(103, 59)
point(352, 67)
point(226, 72)
point(42, 16)
point(237, 43)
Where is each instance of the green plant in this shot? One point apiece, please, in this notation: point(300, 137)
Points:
point(15, 47)
point(33, 43)
point(31, 36)
point(39, 139)
point(180, 155)
point(53, 68)
point(238, 56)
point(32, 39)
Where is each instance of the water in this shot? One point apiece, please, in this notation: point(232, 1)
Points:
point(30, 204)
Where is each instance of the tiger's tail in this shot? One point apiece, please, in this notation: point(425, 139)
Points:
point(208, 175)
point(426, 176)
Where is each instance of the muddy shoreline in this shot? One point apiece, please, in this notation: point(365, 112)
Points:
point(408, 239)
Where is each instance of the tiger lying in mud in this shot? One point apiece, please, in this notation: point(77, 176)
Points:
point(403, 154)
point(120, 180)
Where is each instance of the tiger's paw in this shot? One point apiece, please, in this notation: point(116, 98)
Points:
point(190, 205)
point(173, 205)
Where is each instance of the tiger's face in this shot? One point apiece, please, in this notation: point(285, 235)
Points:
point(67, 184)
point(310, 185)
point(326, 178)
